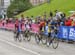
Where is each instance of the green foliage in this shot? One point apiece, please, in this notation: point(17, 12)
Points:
point(18, 6)
point(61, 5)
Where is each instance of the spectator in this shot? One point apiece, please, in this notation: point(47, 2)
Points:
point(63, 17)
point(58, 14)
point(32, 17)
point(68, 22)
point(73, 22)
point(51, 14)
point(45, 15)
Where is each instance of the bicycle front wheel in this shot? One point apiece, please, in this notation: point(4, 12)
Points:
point(55, 42)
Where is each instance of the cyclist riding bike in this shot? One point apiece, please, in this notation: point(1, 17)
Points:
point(54, 27)
point(18, 30)
point(22, 21)
point(16, 24)
point(42, 25)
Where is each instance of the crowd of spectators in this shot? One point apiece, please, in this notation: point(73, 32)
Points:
point(60, 18)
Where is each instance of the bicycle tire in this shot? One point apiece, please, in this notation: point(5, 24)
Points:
point(28, 37)
point(15, 36)
point(19, 37)
point(48, 41)
point(43, 40)
point(55, 42)
point(37, 39)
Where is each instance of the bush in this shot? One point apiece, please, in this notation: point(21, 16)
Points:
point(18, 6)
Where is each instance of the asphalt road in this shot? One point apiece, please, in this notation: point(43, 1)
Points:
point(9, 47)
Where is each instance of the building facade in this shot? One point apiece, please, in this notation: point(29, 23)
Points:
point(3, 7)
point(6, 3)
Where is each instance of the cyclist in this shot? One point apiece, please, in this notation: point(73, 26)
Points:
point(3, 22)
point(18, 29)
point(55, 27)
point(22, 21)
point(16, 24)
point(28, 23)
point(42, 25)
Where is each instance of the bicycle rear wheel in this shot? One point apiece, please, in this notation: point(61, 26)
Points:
point(37, 38)
point(55, 42)
point(43, 39)
point(27, 36)
point(48, 41)
point(15, 36)
point(20, 37)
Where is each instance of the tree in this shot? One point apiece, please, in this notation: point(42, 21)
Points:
point(18, 6)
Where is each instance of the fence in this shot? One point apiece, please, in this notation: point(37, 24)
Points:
point(65, 32)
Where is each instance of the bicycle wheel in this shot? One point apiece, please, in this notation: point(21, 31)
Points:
point(20, 37)
point(55, 42)
point(27, 36)
point(15, 36)
point(43, 39)
point(37, 39)
point(48, 41)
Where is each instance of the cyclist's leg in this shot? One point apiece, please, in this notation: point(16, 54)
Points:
point(17, 33)
point(49, 36)
point(21, 25)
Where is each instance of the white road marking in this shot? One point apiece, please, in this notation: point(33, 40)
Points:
point(25, 49)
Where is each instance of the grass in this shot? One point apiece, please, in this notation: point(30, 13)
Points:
point(61, 5)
